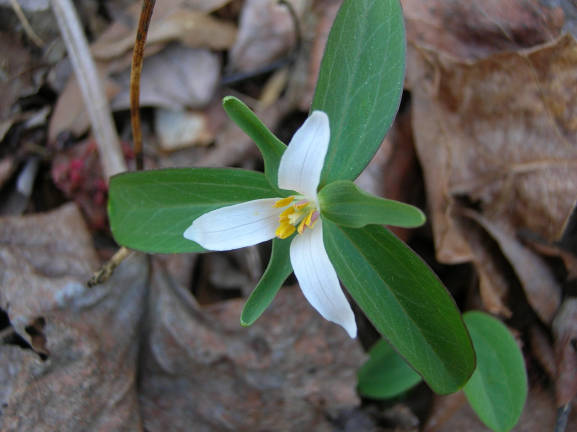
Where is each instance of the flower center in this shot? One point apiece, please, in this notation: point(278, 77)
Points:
point(296, 217)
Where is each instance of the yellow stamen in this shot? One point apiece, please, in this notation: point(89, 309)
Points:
point(285, 230)
point(295, 217)
point(284, 202)
point(301, 227)
point(309, 217)
point(286, 213)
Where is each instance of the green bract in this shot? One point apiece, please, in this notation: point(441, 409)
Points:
point(358, 93)
point(345, 204)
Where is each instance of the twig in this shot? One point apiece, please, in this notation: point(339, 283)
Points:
point(91, 87)
point(26, 24)
point(107, 269)
point(563, 417)
point(135, 72)
point(296, 24)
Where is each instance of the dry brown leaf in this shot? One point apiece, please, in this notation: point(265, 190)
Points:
point(565, 332)
point(191, 28)
point(499, 132)
point(471, 30)
point(493, 285)
point(82, 373)
point(558, 250)
point(180, 129)
point(16, 78)
point(542, 290)
point(265, 33)
point(325, 12)
point(7, 168)
point(204, 5)
point(286, 372)
point(69, 114)
point(443, 409)
point(539, 415)
point(543, 351)
point(176, 77)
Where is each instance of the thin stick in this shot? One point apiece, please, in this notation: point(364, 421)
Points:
point(135, 72)
point(108, 268)
point(91, 87)
point(26, 24)
point(563, 417)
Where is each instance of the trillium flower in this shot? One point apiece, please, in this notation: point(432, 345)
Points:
point(256, 221)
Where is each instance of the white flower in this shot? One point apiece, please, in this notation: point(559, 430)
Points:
point(252, 222)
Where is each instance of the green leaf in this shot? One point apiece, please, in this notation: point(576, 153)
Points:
point(345, 204)
point(150, 210)
point(385, 374)
point(405, 301)
point(278, 269)
point(498, 389)
point(360, 83)
point(269, 145)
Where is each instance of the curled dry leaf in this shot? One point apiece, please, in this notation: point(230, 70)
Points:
point(286, 372)
point(472, 30)
point(541, 288)
point(499, 132)
point(565, 332)
point(493, 285)
point(82, 373)
point(543, 351)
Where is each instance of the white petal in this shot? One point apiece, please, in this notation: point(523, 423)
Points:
point(302, 162)
point(318, 279)
point(236, 226)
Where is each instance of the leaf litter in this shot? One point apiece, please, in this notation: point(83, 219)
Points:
point(488, 114)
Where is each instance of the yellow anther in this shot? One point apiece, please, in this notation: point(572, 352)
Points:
point(285, 230)
point(286, 213)
point(295, 217)
point(301, 227)
point(284, 202)
point(309, 218)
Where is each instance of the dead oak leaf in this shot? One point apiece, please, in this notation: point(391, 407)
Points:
point(82, 373)
point(500, 132)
